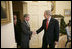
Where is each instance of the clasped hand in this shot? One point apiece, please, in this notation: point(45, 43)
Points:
point(34, 32)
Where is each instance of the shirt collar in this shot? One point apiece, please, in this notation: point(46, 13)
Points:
point(49, 18)
point(25, 21)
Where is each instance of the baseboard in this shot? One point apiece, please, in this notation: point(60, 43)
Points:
point(14, 45)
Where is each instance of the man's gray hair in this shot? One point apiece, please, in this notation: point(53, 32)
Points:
point(48, 12)
point(25, 15)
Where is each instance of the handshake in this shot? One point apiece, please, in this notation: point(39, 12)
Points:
point(34, 32)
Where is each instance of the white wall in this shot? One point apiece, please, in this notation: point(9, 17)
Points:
point(7, 33)
point(60, 6)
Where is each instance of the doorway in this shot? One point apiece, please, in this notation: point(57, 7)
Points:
point(18, 9)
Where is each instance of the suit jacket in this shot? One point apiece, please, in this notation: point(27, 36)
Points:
point(17, 29)
point(26, 33)
point(52, 33)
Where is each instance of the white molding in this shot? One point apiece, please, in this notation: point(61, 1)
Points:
point(14, 45)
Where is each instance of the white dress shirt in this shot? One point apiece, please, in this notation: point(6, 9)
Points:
point(49, 19)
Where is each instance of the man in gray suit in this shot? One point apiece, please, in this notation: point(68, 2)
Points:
point(26, 32)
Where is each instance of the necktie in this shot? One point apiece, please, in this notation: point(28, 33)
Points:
point(46, 25)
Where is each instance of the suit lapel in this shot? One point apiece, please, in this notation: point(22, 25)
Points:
point(26, 24)
point(50, 22)
point(45, 24)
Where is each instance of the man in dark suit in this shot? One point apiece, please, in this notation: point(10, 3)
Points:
point(51, 30)
point(26, 32)
point(17, 29)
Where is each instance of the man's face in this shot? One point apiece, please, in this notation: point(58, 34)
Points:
point(45, 14)
point(47, 17)
point(15, 19)
point(27, 18)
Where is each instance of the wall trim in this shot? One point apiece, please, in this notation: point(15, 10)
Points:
point(14, 45)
